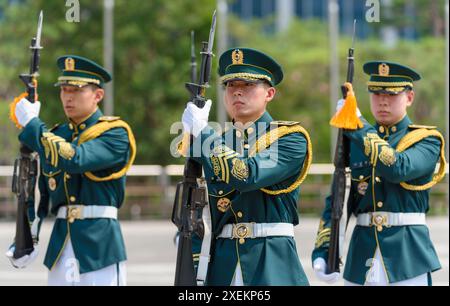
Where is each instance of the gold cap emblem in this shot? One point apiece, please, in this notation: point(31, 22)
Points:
point(69, 64)
point(237, 57)
point(383, 69)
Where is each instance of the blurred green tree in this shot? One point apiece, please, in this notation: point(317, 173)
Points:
point(151, 60)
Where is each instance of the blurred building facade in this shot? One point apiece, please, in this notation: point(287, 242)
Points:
point(349, 10)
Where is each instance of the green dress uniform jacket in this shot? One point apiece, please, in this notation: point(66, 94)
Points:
point(253, 180)
point(392, 170)
point(83, 164)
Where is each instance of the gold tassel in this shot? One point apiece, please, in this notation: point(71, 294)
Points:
point(183, 146)
point(346, 117)
point(12, 109)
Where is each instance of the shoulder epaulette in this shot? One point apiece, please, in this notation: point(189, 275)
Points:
point(54, 127)
point(428, 127)
point(108, 118)
point(285, 123)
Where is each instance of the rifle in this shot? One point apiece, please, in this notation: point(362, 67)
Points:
point(191, 195)
point(25, 166)
point(341, 163)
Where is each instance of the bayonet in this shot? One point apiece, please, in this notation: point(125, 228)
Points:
point(212, 32)
point(39, 31)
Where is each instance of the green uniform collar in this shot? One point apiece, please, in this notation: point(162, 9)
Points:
point(258, 127)
point(384, 130)
point(88, 122)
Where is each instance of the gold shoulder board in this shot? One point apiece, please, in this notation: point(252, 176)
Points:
point(428, 127)
point(285, 123)
point(54, 127)
point(108, 118)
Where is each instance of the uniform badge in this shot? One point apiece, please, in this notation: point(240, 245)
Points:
point(239, 169)
point(387, 156)
point(362, 188)
point(237, 57)
point(368, 142)
point(46, 146)
point(52, 184)
point(383, 69)
point(69, 64)
point(367, 146)
point(216, 164)
point(66, 150)
point(223, 204)
point(323, 234)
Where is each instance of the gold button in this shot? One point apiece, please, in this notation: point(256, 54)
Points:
point(71, 126)
point(361, 177)
point(82, 126)
point(73, 199)
point(380, 204)
point(220, 192)
point(381, 129)
point(240, 214)
point(246, 146)
point(250, 130)
point(67, 176)
point(52, 184)
point(238, 134)
point(394, 129)
point(74, 213)
point(241, 241)
point(377, 179)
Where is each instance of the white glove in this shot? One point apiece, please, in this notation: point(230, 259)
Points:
point(340, 104)
point(320, 267)
point(195, 119)
point(25, 111)
point(23, 261)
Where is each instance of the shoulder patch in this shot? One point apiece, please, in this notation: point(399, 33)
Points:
point(56, 126)
point(428, 127)
point(286, 123)
point(108, 118)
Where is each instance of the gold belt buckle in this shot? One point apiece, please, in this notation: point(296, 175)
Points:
point(73, 213)
point(242, 231)
point(379, 221)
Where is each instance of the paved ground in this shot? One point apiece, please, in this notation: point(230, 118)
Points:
point(151, 253)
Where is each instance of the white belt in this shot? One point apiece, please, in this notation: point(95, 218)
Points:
point(388, 219)
point(78, 212)
point(256, 230)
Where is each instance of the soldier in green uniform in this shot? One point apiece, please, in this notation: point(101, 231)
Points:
point(393, 164)
point(82, 174)
point(253, 172)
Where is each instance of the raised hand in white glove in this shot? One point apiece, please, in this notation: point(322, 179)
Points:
point(340, 104)
point(25, 111)
point(195, 119)
point(23, 261)
point(320, 268)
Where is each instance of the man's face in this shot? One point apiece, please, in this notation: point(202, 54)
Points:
point(78, 102)
point(389, 109)
point(246, 101)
